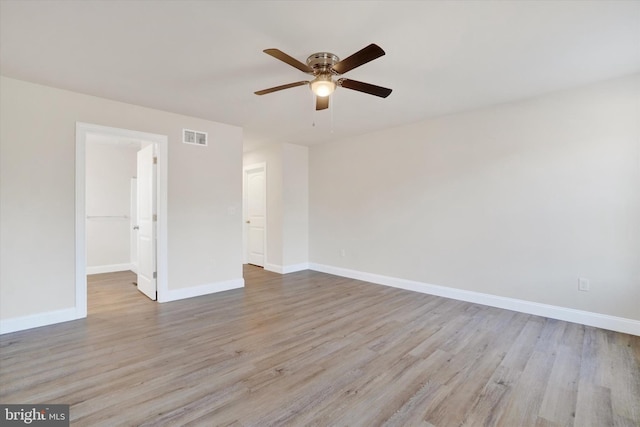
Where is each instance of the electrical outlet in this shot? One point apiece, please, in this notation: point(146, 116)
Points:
point(343, 253)
point(583, 284)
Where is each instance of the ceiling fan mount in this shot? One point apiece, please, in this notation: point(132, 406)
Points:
point(324, 66)
point(322, 62)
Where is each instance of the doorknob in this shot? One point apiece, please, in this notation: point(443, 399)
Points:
point(135, 227)
point(248, 222)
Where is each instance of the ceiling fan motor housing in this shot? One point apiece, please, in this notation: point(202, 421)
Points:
point(322, 63)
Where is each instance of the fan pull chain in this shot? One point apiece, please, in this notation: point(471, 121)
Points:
point(313, 109)
point(332, 107)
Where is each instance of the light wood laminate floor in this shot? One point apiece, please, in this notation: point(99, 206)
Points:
point(309, 348)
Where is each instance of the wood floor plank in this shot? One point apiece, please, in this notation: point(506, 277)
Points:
point(593, 408)
point(313, 349)
point(492, 401)
point(562, 388)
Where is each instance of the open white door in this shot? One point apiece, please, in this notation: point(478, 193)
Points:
point(146, 222)
point(133, 213)
point(255, 209)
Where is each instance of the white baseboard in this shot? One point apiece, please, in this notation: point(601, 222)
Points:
point(36, 320)
point(286, 269)
point(295, 267)
point(273, 267)
point(613, 323)
point(111, 268)
point(196, 291)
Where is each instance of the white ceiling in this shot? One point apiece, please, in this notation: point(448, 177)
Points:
point(204, 58)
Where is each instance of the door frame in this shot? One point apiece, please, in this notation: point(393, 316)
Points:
point(161, 141)
point(245, 234)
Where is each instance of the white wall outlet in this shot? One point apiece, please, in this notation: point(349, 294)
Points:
point(343, 253)
point(583, 284)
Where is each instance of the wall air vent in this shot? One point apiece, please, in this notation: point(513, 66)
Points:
point(194, 137)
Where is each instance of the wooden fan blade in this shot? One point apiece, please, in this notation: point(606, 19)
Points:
point(278, 54)
point(322, 102)
point(380, 91)
point(359, 58)
point(277, 88)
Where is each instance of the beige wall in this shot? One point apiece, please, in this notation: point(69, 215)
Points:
point(295, 199)
point(516, 200)
point(37, 147)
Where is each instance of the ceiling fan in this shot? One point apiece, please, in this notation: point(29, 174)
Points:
point(324, 66)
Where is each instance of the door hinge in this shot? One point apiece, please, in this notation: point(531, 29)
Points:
point(155, 160)
point(155, 274)
point(155, 217)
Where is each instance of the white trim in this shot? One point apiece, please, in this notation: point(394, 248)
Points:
point(81, 232)
point(112, 268)
point(40, 319)
point(196, 291)
point(161, 141)
point(273, 267)
point(295, 267)
point(162, 202)
point(287, 268)
point(619, 324)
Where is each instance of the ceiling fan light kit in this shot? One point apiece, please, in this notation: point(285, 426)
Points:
point(324, 66)
point(323, 85)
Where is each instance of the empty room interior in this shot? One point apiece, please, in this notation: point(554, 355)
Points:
point(320, 213)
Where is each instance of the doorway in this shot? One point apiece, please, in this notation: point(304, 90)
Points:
point(85, 133)
point(110, 169)
point(255, 214)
